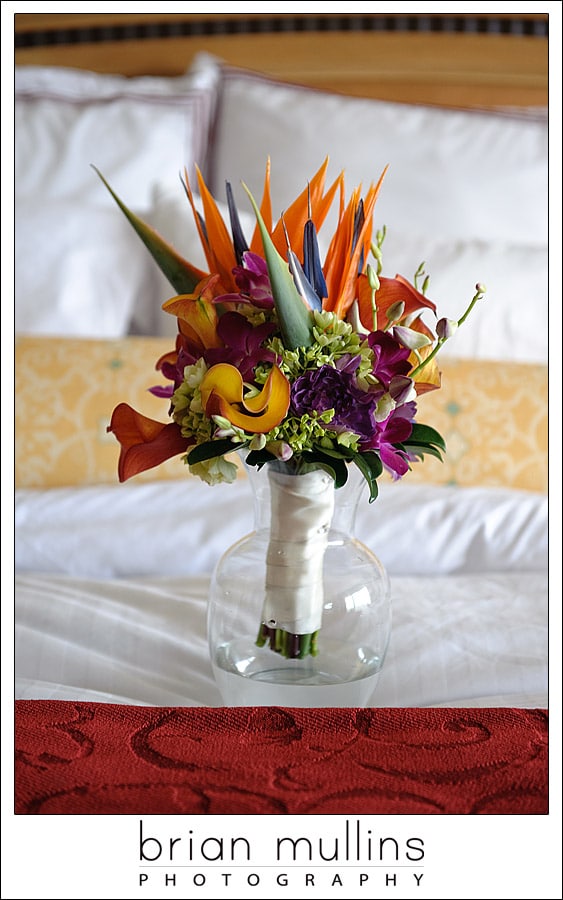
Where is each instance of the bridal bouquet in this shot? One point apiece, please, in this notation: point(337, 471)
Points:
point(306, 365)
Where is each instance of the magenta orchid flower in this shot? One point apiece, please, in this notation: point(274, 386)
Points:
point(390, 357)
point(253, 281)
point(243, 344)
point(396, 428)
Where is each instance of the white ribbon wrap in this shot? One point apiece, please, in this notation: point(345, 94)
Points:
point(301, 514)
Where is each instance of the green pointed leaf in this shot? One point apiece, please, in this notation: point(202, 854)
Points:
point(371, 468)
point(422, 450)
point(211, 449)
point(295, 319)
point(424, 434)
point(334, 465)
point(338, 450)
point(182, 276)
point(259, 458)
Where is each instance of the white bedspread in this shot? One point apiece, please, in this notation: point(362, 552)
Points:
point(465, 640)
point(111, 586)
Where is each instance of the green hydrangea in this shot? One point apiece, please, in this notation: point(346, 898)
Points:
point(187, 409)
point(333, 339)
point(306, 431)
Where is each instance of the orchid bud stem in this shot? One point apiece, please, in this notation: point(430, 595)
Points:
point(480, 290)
point(422, 363)
point(374, 310)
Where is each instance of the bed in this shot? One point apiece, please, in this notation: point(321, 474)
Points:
point(110, 579)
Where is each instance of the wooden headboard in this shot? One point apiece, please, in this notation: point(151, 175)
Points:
point(467, 60)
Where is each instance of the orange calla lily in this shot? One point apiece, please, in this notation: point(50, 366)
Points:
point(170, 358)
point(222, 393)
point(392, 290)
point(145, 443)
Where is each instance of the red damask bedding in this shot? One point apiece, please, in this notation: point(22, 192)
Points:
point(97, 758)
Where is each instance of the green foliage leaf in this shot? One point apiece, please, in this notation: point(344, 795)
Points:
point(182, 276)
point(307, 461)
point(423, 450)
point(259, 458)
point(425, 435)
point(371, 468)
point(211, 449)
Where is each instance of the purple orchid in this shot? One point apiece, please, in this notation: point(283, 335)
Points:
point(254, 282)
point(174, 372)
point(396, 428)
point(328, 388)
point(390, 357)
point(348, 363)
point(243, 344)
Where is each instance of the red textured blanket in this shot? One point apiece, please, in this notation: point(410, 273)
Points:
point(97, 758)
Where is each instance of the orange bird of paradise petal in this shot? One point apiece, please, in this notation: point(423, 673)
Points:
point(214, 236)
point(295, 216)
point(222, 393)
point(265, 212)
point(343, 260)
point(145, 443)
point(219, 240)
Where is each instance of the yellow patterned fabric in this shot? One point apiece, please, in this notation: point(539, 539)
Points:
point(493, 415)
point(66, 390)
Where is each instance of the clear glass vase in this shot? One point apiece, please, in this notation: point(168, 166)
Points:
point(299, 610)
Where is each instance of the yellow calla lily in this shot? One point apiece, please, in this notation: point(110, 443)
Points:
point(198, 313)
point(427, 376)
point(222, 393)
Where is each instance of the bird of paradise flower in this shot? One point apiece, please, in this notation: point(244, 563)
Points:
point(280, 271)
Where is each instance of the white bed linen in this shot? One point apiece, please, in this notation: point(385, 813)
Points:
point(111, 587)
point(464, 640)
point(182, 527)
point(466, 192)
point(138, 131)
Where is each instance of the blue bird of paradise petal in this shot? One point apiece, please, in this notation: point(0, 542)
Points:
point(312, 262)
point(239, 241)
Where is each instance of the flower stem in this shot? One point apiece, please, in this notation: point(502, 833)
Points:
point(288, 645)
point(480, 290)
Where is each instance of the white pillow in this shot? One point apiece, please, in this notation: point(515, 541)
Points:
point(499, 326)
point(453, 174)
point(466, 192)
point(81, 270)
point(137, 131)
